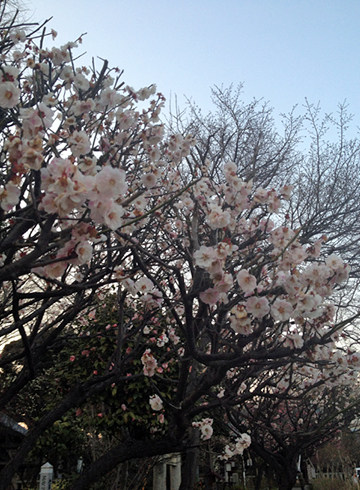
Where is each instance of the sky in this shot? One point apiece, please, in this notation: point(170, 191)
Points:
point(283, 51)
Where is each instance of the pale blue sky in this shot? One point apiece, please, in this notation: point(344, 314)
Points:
point(283, 50)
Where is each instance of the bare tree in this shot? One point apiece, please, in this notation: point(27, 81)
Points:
point(245, 134)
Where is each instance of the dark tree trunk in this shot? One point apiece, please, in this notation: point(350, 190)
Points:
point(190, 463)
point(287, 479)
point(259, 475)
point(209, 478)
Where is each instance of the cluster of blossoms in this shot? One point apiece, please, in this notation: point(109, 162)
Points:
point(241, 443)
point(161, 340)
point(143, 287)
point(75, 134)
point(213, 261)
point(292, 287)
point(149, 363)
point(205, 426)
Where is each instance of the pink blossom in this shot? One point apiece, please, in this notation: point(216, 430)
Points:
point(294, 340)
point(145, 92)
point(140, 203)
point(206, 432)
point(205, 426)
point(162, 340)
point(144, 284)
point(56, 269)
point(156, 403)
point(318, 273)
point(32, 159)
point(224, 284)
point(152, 299)
point(9, 196)
point(18, 36)
point(83, 106)
point(81, 82)
point(218, 218)
point(149, 180)
point(230, 168)
point(224, 249)
point(9, 73)
point(110, 182)
point(113, 213)
point(286, 191)
point(64, 186)
point(266, 224)
point(210, 296)
point(281, 310)
point(242, 443)
point(246, 281)
point(308, 302)
point(204, 257)
point(342, 274)
point(80, 143)
point(241, 326)
point(9, 95)
point(261, 195)
point(84, 252)
point(334, 262)
point(257, 307)
point(109, 98)
point(173, 337)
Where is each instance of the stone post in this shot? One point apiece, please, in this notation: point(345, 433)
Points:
point(159, 475)
point(175, 472)
point(46, 474)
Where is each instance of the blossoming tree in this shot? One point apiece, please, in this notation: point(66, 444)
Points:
point(211, 281)
point(322, 168)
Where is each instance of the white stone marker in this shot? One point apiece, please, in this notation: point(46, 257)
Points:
point(46, 475)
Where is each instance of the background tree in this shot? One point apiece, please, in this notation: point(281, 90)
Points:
point(285, 432)
point(244, 133)
point(341, 456)
point(322, 168)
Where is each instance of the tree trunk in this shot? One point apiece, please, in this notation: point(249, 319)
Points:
point(259, 475)
point(209, 478)
point(190, 465)
point(286, 480)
